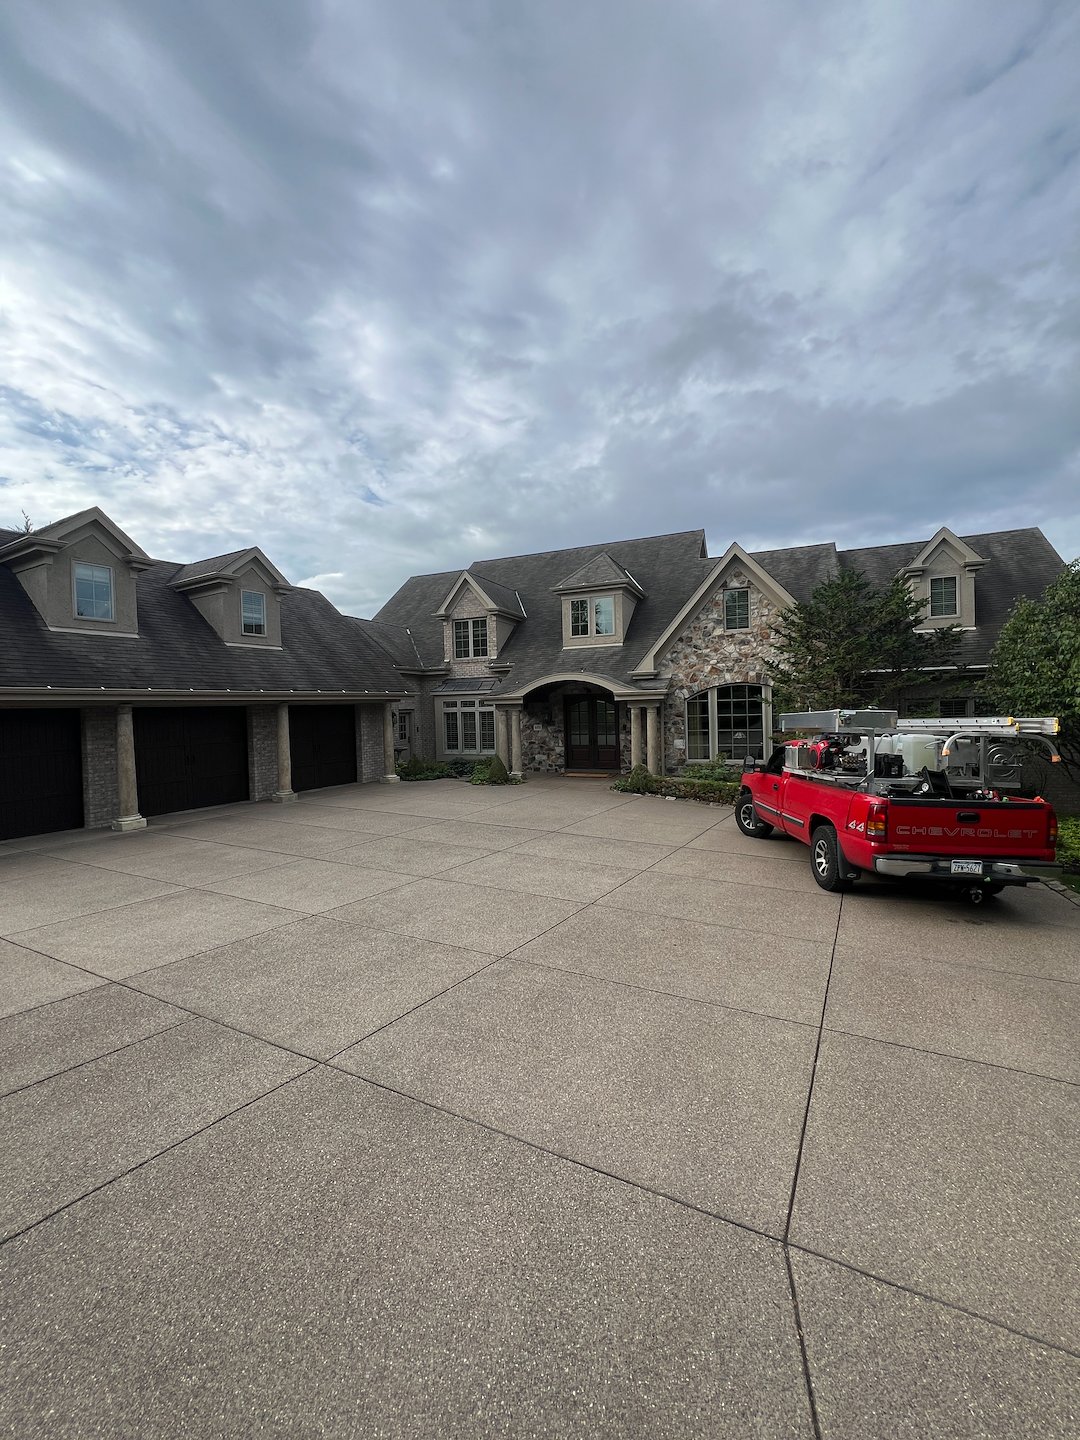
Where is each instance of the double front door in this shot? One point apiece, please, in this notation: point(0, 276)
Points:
point(592, 734)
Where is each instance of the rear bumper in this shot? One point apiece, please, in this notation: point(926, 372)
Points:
point(932, 867)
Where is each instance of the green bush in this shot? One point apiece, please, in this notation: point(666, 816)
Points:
point(713, 770)
point(1068, 846)
point(638, 782)
point(416, 768)
point(491, 772)
point(713, 792)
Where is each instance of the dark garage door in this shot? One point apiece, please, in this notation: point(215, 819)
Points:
point(40, 772)
point(186, 759)
point(323, 743)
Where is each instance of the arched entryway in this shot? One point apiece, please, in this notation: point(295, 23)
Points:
point(571, 724)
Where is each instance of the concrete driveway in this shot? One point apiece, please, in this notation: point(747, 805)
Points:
point(434, 1110)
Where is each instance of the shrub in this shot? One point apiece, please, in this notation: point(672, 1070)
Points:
point(713, 792)
point(638, 782)
point(416, 768)
point(1068, 846)
point(491, 772)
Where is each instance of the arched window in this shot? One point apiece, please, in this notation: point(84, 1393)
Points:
point(727, 722)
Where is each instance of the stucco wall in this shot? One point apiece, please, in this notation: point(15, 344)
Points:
point(704, 655)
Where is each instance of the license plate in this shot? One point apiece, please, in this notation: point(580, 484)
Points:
point(967, 867)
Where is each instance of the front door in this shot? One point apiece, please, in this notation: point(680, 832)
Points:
point(592, 734)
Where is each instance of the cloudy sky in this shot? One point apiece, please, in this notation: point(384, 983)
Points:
point(388, 286)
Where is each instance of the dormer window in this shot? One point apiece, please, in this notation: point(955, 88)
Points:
point(93, 592)
point(252, 612)
point(737, 609)
point(592, 616)
point(470, 639)
point(943, 595)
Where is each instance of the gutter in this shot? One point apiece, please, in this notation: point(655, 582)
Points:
point(27, 695)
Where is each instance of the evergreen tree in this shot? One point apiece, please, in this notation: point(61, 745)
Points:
point(852, 644)
point(1035, 665)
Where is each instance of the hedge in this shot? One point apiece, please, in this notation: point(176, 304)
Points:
point(712, 792)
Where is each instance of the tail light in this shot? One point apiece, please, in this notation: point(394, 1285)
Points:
point(1052, 829)
point(876, 822)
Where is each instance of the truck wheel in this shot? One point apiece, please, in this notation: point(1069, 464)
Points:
point(747, 818)
point(825, 861)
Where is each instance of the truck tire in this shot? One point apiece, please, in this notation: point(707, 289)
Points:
point(747, 818)
point(828, 865)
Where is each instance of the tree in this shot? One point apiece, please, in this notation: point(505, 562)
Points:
point(1035, 665)
point(853, 644)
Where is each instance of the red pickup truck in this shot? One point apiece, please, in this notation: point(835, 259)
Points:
point(975, 843)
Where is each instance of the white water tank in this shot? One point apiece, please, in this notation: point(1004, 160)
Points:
point(920, 752)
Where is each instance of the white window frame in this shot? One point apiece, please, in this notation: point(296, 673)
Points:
point(78, 565)
point(942, 580)
point(736, 590)
point(476, 628)
point(461, 710)
point(244, 622)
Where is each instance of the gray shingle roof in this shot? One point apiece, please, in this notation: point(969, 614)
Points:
point(1019, 562)
point(668, 568)
point(598, 570)
point(499, 595)
point(211, 566)
point(671, 567)
point(322, 650)
point(800, 569)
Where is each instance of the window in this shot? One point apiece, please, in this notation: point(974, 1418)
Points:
point(253, 612)
point(468, 727)
point(943, 595)
point(736, 609)
point(592, 617)
point(94, 592)
point(403, 727)
point(470, 639)
point(725, 723)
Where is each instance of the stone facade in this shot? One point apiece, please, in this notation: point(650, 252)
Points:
point(262, 751)
point(543, 730)
point(705, 655)
point(101, 798)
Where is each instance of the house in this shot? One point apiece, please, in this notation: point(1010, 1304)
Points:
point(132, 687)
point(601, 656)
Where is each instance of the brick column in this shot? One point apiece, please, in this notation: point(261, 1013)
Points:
point(652, 738)
point(515, 740)
point(390, 775)
point(284, 792)
point(635, 736)
point(127, 784)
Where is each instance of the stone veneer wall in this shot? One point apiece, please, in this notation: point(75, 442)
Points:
point(705, 655)
point(262, 751)
point(543, 740)
point(101, 797)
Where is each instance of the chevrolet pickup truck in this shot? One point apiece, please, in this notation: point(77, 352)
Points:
point(976, 843)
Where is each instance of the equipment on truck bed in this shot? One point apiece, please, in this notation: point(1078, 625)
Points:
point(877, 751)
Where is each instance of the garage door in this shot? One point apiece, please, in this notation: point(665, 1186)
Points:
point(40, 772)
point(323, 742)
point(186, 759)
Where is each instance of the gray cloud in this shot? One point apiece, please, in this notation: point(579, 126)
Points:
point(388, 287)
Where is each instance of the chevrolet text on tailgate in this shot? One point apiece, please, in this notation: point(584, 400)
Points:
point(938, 799)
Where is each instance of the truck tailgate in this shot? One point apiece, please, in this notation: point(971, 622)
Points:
point(957, 827)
